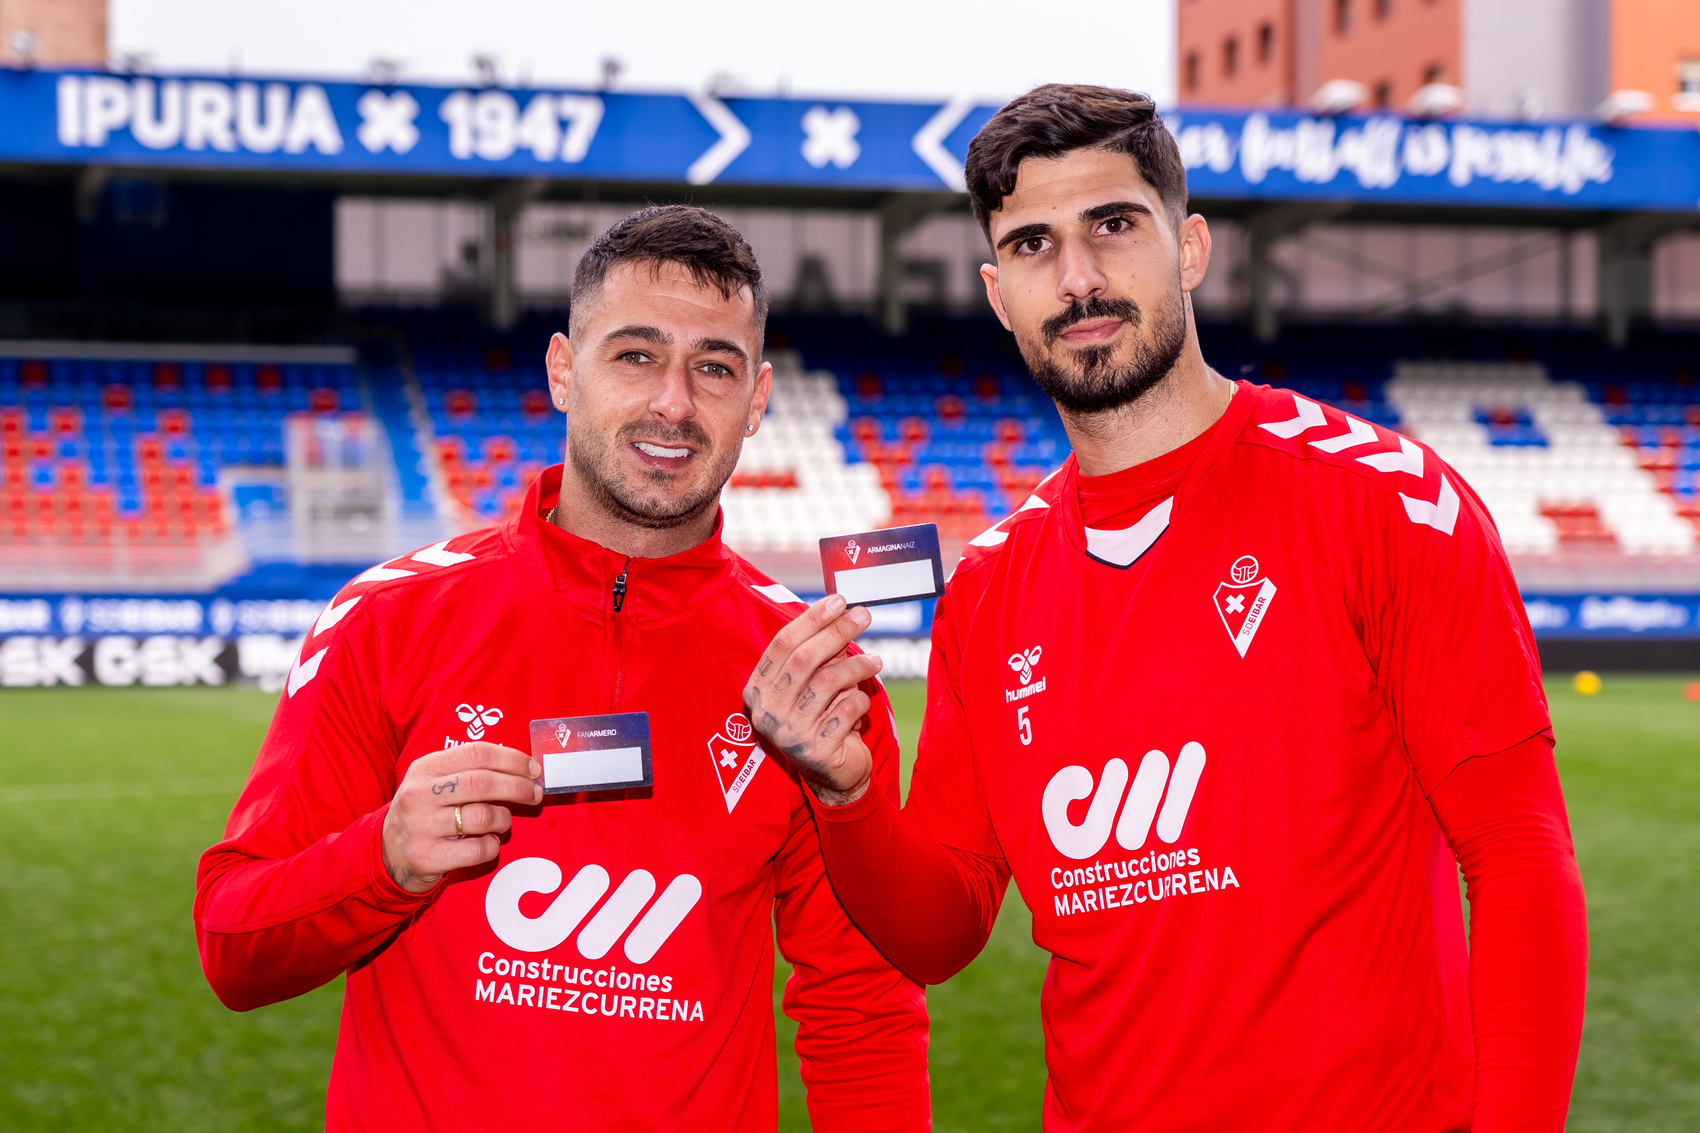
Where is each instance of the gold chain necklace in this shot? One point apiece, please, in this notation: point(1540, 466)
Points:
point(550, 518)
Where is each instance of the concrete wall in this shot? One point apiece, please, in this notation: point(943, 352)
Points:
point(1524, 60)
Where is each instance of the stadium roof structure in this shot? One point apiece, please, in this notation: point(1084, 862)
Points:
point(1278, 171)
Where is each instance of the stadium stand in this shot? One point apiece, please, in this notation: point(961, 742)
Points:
point(1581, 454)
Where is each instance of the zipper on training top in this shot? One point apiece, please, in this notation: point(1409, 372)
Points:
point(617, 638)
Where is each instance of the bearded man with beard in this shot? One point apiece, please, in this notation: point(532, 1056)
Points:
point(1232, 697)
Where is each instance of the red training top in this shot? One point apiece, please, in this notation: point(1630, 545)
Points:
point(1219, 716)
point(477, 998)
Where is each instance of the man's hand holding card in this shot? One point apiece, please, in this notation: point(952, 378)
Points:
point(803, 695)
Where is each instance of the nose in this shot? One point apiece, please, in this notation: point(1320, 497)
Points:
point(1078, 274)
point(671, 399)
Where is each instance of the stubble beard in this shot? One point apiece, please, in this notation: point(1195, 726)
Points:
point(596, 461)
point(1087, 381)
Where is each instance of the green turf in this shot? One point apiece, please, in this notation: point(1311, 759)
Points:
point(108, 796)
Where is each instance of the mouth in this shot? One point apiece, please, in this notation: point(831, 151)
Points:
point(664, 457)
point(1090, 332)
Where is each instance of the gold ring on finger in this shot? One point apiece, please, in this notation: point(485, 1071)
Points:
point(458, 831)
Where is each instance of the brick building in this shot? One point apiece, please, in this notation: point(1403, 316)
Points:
point(1508, 58)
point(52, 33)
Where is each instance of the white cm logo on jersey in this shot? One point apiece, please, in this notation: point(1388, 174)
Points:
point(1072, 784)
point(547, 930)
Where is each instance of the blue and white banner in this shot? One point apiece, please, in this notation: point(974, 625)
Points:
point(262, 124)
point(282, 125)
point(1384, 158)
point(1613, 615)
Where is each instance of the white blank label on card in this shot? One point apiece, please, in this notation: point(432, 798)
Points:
point(893, 580)
point(592, 768)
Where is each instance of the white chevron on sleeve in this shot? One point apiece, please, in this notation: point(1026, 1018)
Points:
point(383, 572)
point(437, 554)
point(303, 671)
point(333, 614)
point(776, 592)
point(1441, 515)
point(1357, 433)
point(1409, 458)
point(1310, 416)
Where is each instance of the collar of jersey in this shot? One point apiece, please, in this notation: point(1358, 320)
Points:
point(583, 572)
point(1063, 495)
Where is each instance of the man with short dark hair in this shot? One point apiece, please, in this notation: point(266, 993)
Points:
point(395, 827)
point(1231, 697)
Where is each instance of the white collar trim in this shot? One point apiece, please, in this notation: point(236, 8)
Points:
point(1122, 548)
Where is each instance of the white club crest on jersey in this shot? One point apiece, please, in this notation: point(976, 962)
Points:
point(737, 756)
point(1243, 601)
point(477, 718)
point(1023, 662)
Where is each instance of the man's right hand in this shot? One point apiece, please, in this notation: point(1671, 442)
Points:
point(803, 698)
point(420, 840)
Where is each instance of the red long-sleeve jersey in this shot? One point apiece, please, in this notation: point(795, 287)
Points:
point(498, 1005)
point(1222, 752)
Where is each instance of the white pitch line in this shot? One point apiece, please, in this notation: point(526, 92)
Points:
point(71, 792)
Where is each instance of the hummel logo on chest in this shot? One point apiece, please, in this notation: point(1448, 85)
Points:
point(1022, 662)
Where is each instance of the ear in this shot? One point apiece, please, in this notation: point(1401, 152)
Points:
point(989, 273)
point(1195, 251)
point(558, 362)
point(758, 399)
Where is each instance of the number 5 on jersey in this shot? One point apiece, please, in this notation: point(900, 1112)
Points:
point(1024, 726)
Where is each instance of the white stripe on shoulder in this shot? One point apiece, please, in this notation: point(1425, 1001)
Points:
point(776, 592)
point(993, 536)
point(1121, 548)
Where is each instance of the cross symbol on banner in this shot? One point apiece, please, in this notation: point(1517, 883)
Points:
point(387, 120)
point(831, 137)
point(1235, 603)
point(728, 758)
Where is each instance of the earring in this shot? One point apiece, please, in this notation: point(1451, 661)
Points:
point(561, 401)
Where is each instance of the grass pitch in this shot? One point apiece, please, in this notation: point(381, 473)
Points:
point(107, 797)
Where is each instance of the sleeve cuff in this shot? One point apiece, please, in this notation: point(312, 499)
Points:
point(387, 893)
point(850, 812)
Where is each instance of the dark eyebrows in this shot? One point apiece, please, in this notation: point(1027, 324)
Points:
point(720, 346)
point(1089, 216)
point(1114, 208)
point(1025, 232)
point(647, 334)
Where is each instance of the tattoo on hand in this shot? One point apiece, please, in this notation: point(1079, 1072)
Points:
point(807, 698)
point(765, 667)
point(783, 683)
point(447, 785)
point(832, 725)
